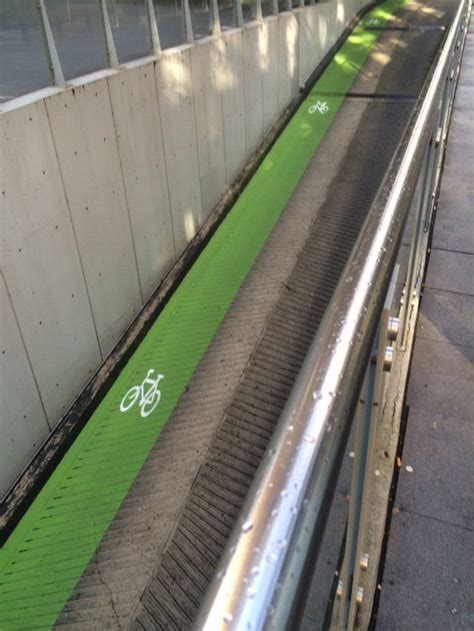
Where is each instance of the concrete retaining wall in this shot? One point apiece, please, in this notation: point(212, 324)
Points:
point(105, 182)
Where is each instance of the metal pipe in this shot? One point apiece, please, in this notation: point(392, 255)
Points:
point(153, 28)
point(260, 580)
point(110, 50)
point(257, 10)
point(238, 15)
point(55, 70)
point(187, 23)
point(214, 19)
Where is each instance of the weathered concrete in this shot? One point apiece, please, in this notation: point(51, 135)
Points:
point(105, 182)
point(129, 552)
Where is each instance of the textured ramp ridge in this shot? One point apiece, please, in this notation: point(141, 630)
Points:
point(53, 543)
point(180, 581)
point(187, 435)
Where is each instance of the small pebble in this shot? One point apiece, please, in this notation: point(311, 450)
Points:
point(409, 469)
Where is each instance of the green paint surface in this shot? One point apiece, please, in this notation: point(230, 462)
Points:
point(45, 556)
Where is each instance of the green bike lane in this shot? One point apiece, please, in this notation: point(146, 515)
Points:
point(48, 551)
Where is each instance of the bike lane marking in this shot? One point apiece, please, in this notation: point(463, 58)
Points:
point(147, 395)
point(46, 554)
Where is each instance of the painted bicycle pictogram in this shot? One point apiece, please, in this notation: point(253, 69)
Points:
point(320, 106)
point(372, 22)
point(147, 394)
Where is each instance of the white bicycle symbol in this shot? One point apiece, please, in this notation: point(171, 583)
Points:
point(149, 397)
point(321, 106)
point(372, 22)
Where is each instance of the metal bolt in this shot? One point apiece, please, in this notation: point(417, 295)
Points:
point(364, 561)
point(339, 590)
point(388, 358)
point(360, 595)
point(393, 328)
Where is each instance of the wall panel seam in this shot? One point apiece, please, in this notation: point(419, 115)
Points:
point(25, 347)
point(261, 34)
point(221, 94)
point(196, 138)
point(244, 90)
point(280, 111)
point(132, 236)
point(74, 232)
point(170, 211)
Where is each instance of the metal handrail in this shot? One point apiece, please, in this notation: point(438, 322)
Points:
point(260, 580)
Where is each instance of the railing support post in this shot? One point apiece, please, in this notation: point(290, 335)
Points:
point(55, 70)
point(214, 19)
point(238, 15)
point(422, 204)
point(153, 28)
point(112, 59)
point(367, 417)
point(187, 23)
point(257, 10)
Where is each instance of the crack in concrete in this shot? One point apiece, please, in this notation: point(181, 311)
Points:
point(437, 519)
point(109, 589)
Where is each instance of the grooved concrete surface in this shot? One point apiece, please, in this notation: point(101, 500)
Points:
point(217, 492)
point(112, 584)
point(428, 578)
point(187, 436)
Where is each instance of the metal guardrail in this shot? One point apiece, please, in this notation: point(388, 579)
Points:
point(71, 38)
point(262, 579)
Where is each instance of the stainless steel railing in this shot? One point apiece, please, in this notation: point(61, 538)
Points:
point(262, 577)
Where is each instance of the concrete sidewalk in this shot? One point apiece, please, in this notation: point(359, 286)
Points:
point(428, 579)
